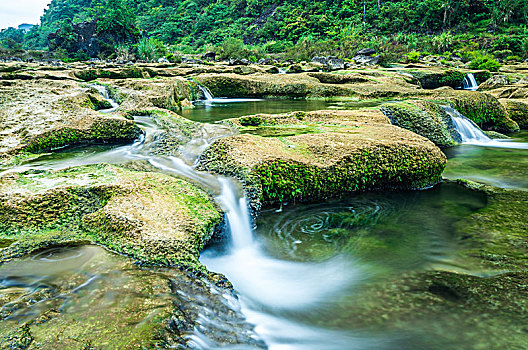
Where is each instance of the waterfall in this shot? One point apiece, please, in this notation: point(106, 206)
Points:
point(469, 131)
point(470, 83)
point(103, 90)
point(282, 71)
point(237, 214)
point(472, 135)
point(208, 95)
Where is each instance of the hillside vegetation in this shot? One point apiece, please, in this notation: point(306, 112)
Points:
point(301, 28)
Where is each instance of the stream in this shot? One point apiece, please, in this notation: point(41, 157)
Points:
point(298, 271)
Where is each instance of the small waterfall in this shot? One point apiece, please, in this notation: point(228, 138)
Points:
point(237, 212)
point(470, 83)
point(469, 131)
point(103, 90)
point(208, 95)
point(282, 71)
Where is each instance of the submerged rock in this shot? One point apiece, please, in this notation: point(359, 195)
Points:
point(342, 152)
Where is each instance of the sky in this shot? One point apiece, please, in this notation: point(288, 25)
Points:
point(15, 12)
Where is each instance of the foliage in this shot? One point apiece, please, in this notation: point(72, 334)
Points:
point(484, 62)
point(302, 28)
point(150, 49)
point(413, 56)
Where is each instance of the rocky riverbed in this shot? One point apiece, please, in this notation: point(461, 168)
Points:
point(148, 186)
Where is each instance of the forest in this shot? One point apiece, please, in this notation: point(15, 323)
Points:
point(298, 28)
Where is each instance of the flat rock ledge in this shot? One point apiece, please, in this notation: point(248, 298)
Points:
point(326, 154)
point(154, 218)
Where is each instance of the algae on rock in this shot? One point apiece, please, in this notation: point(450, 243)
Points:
point(152, 217)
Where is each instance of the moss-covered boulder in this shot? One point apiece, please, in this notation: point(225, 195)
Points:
point(425, 118)
point(171, 93)
point(43, 115)
point(433, 79)
point(517, 111)
point(483, 109)
point(332, 159)
point(155, 218)
point(330, 78)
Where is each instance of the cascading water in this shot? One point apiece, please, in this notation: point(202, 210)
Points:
point(103, 90)
point(207, 94)
point(470, 83)
point(471, 134)
point(210, 99)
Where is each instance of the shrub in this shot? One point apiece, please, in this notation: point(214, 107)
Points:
point(233, 48)
point(484, 62)
point(413, 56)
point(150, 49)
point(514, 59)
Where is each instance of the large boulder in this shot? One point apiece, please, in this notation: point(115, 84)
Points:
point(328, 154)
point(334, 63)
point(433, 79)
point(483, 109)
point(495, 82)
point(424, 118)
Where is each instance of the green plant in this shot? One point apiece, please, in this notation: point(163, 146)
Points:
point(150, 49)
point(413, 57)
point(514, 59)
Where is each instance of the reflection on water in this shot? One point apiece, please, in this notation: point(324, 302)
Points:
point(501, 167)
point(218, 110)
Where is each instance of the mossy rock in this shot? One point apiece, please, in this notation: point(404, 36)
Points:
point(119, 73)
point(334, 161)
point(50, 115)
point(435, 79)
point(425, 118)
point(329, 78)
point(485, 110)
point(517, 111)
point(155, 218)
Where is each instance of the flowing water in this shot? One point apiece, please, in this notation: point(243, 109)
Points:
point(470, 83)
point(299, 273)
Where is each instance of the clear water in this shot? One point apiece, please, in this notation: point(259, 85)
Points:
point(66, 292)
point(299, 274)
point(305, 265)
point(217, 110)
point(502, 167)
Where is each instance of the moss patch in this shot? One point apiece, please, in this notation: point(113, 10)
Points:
point(424, 118)
point(485, 110)
point(517, 111)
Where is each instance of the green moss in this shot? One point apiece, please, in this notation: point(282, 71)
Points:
point(104, 130)
point(485, 110)
point(399, 168)
point(424, 118)
point(517, 111)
